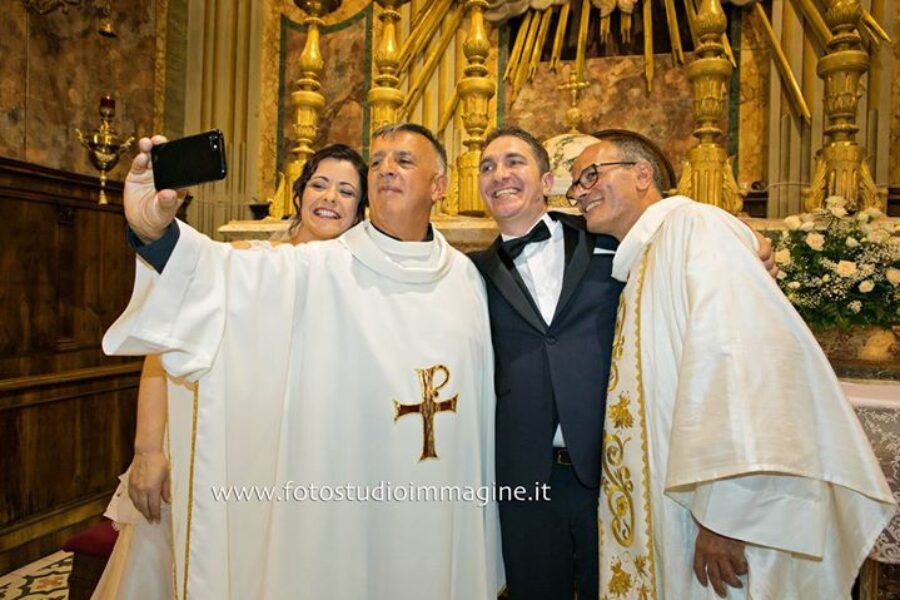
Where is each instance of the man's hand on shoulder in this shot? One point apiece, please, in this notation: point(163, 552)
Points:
point(765, 253)
point(148, 212)
point(718, 560)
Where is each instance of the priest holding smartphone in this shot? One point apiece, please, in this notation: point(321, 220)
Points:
point(379, 375)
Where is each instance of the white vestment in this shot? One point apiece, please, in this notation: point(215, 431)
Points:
point(304, 356)
point(725, 409)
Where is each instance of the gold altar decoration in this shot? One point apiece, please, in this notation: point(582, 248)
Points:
point(841, 166)
point(307, 100)
point(707, 175)
point(104, 12)
point(417, 87)
point(385, 97)
point(105, 145)
point(475, 90)
point(794, 94)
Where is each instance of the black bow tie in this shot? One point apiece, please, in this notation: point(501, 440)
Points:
point(514, 247)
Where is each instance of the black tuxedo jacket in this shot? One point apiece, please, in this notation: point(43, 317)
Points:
point(556, 371)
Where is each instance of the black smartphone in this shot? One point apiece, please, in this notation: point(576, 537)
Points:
point(189, 161)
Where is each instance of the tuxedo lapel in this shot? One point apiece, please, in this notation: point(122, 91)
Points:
point(501, 271)
point(579, 249)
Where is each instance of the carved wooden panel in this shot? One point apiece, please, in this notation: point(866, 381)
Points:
point(67, 411)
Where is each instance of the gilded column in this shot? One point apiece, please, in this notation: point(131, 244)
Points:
point(707, 175)
point(385, 97)
point(841, 166)
point(307, 100)
point(475, 90)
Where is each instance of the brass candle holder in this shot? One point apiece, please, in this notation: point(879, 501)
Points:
point(105, 145)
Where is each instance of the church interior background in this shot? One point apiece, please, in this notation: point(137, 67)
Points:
point(768, 109)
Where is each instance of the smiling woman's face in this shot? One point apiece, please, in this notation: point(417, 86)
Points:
point(329, 201)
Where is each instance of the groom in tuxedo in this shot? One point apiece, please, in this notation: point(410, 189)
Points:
point(552, 304)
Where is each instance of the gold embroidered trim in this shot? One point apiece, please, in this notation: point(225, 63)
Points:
point(172, 513)
point(643, 418)
point(618, 487)
point(618, 346)
point(190, 494)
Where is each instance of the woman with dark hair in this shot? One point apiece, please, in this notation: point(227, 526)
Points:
point(330, 198)
point(315, 216)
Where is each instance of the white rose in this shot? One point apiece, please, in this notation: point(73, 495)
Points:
point(816, 241)
point(873, 213)
point(792, 222)
point(866, 286)
point(855, 306)
point(862, 217)
point(838, 211)
point(793, 285)
point(893, 275)
point(782, 275)
point(846, 268)
point(807, 217)
point(807, 226)
point(852, 242)
point(878, 236)
point(783, 256)
point(835, 202)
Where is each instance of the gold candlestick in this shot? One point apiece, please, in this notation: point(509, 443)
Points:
point(307, 100)
point(841, 166)
point(707, 175)
point(475, 89)
point(386, 97)
point(105, 145)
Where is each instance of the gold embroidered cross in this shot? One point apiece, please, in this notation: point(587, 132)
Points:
point(429, 406)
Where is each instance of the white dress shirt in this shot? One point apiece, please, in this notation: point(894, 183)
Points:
point(541, 266)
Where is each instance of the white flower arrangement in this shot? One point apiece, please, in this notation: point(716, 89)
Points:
point(839, 269)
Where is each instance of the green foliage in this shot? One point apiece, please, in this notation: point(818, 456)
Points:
point(840, 270)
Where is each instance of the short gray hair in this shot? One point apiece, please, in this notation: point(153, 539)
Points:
point(394, 128)
point(634, 149)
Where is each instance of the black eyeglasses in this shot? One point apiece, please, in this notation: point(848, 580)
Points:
point(590, 176)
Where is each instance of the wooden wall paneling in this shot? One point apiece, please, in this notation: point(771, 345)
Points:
point(67, 412)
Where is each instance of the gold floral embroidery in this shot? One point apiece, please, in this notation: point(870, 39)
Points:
point(627, 557)
point(621, 583)
point(640, 565)
point(618, 488)
point(619, 413)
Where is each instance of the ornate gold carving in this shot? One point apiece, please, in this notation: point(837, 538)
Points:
point(788, 79)
point(429, 406)
point(707, 176)
point(421, 33)
point(581, 48)
point(560, 35)
point(306, 99)
point(647, 12)
point(475, 90)
point(841, 168)
point(431, 62)
point(674, 34)
point(385, 97)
